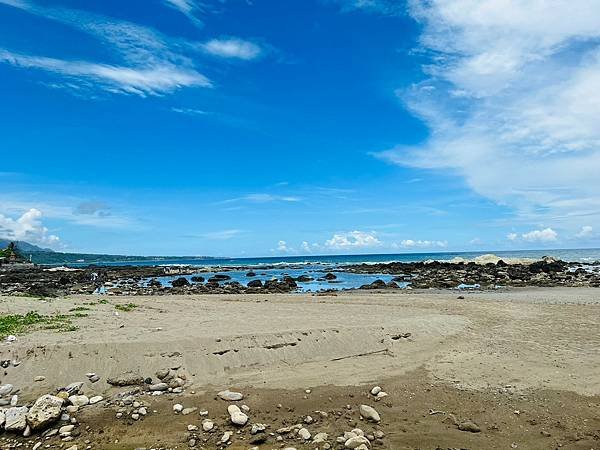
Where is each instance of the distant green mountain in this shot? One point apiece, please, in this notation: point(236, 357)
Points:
point(24, 247)
point(46, 256)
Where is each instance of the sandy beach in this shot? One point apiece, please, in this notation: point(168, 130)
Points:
point(523, 364)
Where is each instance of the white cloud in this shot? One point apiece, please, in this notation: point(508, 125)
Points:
point(283, 247)
point(411, 243)
point(545, 235)
point(232, 48)
point(512, 102)
point(150, 63)
point(353, 240)
point(222, 235)
point(386, 7)
point(585, 232)
point(28, 227)
point(190, 111)
point(512, 236)
point(262, 198)
point(148, 81)
point(186, 7)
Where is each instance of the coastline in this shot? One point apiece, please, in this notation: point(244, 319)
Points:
point(528, 349)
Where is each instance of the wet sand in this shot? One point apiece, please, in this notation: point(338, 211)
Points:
point(524, 364)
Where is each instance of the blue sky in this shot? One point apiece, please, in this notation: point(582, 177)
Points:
point(308, 126)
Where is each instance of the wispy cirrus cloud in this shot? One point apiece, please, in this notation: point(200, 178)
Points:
point(512, 99)
point(262, 198)
point(222, 235)
point(149, 63)
point(386, 7)
point(190, 111)
point(116, 79)
point(189, 8)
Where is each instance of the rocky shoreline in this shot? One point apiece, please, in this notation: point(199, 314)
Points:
point(144, 280)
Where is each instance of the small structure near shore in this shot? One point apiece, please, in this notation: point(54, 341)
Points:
point(11, 259)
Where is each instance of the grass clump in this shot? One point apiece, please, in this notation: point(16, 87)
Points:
point(19, 323)
point(128, 307)
point(80, 308)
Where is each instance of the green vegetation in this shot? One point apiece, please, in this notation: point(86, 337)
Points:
point(18, 323)
point(80, 308)
point(128, 307)
point(103, 302)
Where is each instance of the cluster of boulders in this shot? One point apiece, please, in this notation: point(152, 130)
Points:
point(50, 415)
point(50, 420)
point(450, 275)
point(52, 282)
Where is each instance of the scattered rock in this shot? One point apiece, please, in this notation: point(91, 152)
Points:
point(369, 413)
point(126, 379)
point(45, 410)
point(177, 408)
point(79, 400)
point(39, 378)
point(230, 396)
point(236, 415)
point(16, 418)
point(469, 426)
point(304, 434)
point(95, 399)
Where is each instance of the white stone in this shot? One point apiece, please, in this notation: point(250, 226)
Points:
point(95, 399)
point(79, 400)
point(66, 429)
point(356, 442)
point(207, 425)
point(376, 390)
point(369, 413)
point(320, 438)
point(236, 415)
point(5, 389)
point(142, 411)
point(226, 437)
point(177, 407)
point(191, 427)
point(230, 396)
point(257, 428)
point(304, 434)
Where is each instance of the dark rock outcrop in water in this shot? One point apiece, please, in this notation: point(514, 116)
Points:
point(143, 280)
point(436, 274)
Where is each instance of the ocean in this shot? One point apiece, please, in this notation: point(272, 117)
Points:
point(316, 267)
point(572, 255)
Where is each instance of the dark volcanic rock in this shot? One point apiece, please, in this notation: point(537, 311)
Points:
point(180, 282)
point(330, 276)
point(251, 274)
point(304, 279)
point(255, 283)
point(197, 279)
